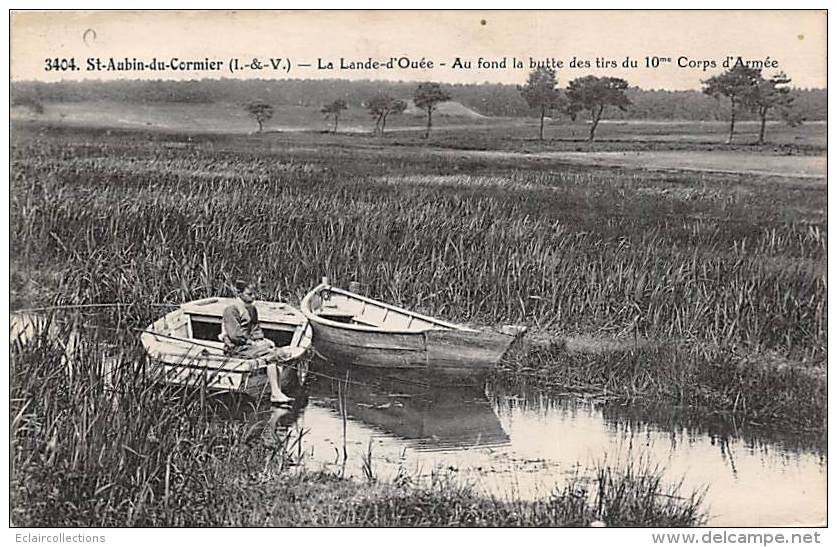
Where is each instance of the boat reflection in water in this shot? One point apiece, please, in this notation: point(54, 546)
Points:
point(429, 418)
point(387, 408)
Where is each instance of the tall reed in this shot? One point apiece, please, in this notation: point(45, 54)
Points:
point(562, 251)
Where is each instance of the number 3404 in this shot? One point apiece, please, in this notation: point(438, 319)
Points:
point(57, 63)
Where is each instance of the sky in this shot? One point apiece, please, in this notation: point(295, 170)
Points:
point(796, 40)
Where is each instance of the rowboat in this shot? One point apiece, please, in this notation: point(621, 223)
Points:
point(185, 347)
point(351, 329)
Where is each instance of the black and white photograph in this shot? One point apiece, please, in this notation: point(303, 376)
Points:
point(418, 269)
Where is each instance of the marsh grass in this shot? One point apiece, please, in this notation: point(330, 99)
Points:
point(728, 288)
point(576, 252)
point(101, 445)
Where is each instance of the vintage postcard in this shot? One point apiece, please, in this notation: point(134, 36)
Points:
point(419, 269)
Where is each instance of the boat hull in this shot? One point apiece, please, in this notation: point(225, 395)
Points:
point(243, 377)
point(444, 351)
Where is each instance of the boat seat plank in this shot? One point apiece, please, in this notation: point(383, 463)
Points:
point(266, 325)
point(336, 315)
point(269, 312)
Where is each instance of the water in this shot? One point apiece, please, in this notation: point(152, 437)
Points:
point(523, 445)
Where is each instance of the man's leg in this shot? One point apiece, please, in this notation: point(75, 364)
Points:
point(261, 349)
point(274, 373)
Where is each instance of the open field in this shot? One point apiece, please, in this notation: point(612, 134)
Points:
point(222, 117)
point(455, 131)
point(712, 284)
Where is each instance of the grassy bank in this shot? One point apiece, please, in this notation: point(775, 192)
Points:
point(723, 275)
point(93, 444)
point(757, 389)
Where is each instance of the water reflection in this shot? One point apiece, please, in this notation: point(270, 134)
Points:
point(684, 425)
point(426, 418)
point(754, 478)
point(523, 444)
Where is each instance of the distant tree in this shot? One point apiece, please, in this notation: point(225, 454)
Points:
point(261, 112)
point(426, 97)
point(737, 84)
point(594, 94)
point(792, 116)
point(381, 106)
point(768, 94)
point(540, 93)
point(333, 110)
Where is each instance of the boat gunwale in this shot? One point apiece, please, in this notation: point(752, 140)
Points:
point(305, 308)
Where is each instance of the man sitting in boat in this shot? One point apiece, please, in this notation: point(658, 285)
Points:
point(243, 337)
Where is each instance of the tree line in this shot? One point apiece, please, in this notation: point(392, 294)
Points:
point(487, 99)
point(746, 89)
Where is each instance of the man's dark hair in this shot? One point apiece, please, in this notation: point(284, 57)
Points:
point(240, 285)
